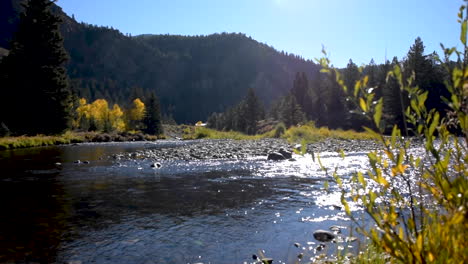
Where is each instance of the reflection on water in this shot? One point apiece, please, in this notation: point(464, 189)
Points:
point(185, 212)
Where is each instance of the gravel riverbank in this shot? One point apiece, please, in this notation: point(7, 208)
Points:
point(206, 149)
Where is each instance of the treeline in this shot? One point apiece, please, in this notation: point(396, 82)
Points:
point(321, 99)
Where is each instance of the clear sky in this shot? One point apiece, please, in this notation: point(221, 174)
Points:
point(356, 29)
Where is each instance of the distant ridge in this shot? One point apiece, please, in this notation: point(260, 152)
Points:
point(194, 76)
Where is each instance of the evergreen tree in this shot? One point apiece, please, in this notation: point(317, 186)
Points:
point(152, 119)
point(428, 75)
point(416, 62)
point(338, 114)
point(321, 99)
point(372, 70)
point(37, 95)
point(291, 113)
point(300, 91)
point(351, 74)
point(252, 112)
point(395, 101)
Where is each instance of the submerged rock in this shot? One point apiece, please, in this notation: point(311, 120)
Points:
point(335, 229)
point(324, 236)
point(320, 247)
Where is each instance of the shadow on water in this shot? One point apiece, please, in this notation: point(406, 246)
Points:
point(127, 212)
point(33, 221)
point(35, 206)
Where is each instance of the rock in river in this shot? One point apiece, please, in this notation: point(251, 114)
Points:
point(324, 236)
point(156, 165)
point(285, 153)
point(275, 156)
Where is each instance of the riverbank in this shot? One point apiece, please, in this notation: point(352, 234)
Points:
point(71, 138)
point(222, 149)
point(307, 133)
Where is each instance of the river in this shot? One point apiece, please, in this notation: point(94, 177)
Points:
point(211, 211)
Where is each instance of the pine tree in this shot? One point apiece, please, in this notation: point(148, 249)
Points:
point(317, 108)
point(152, 119)
point(252, 112)
point(291, 112)
point(416, 62)
point(338, 115)
point(395, 101)
point(300, 91)
point(37, 91)
point(371, 70)
point(427, 75)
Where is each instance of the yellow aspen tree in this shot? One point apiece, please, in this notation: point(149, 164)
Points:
point(116, 118)
point(99, 112)
point(83, 114)
point(136, 114)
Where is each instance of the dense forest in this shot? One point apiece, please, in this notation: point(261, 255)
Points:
point(322, 100)
point(229, 79)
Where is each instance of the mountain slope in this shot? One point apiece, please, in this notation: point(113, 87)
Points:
point(193, 76)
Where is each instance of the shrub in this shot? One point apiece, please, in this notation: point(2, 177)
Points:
point(417, 202)
point(280, 128)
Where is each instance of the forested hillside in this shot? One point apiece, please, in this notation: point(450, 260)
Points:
point(193, 76)
point(197, 77)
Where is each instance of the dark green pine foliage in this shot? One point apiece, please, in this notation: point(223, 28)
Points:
point(252, 112)
point(288, 111)
point(372, 70)
point(351, 74)
point(38, 99)
point(243, 117)
point(338, 114)
point(351, 116)
point(395, 100)
point(319, 97)
point(300, 91)
point(428, 76)
point(291, 113)
point(152, 119)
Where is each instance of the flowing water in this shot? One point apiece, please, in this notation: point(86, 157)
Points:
point(211, 211)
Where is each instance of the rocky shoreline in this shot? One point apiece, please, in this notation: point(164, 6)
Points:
point(218, 149)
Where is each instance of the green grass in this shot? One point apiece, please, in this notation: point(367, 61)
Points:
point(203, 132)
point(309, 133)
point(39, 140)
point(295, 134)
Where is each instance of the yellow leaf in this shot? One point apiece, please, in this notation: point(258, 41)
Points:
point(430, 257)
point(419, 243)
point(363, 104)
point(400, 169)
point(381, 180)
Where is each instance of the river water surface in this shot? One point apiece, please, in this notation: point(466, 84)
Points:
point(211, 211)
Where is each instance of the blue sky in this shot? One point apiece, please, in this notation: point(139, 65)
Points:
point(356, 29)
